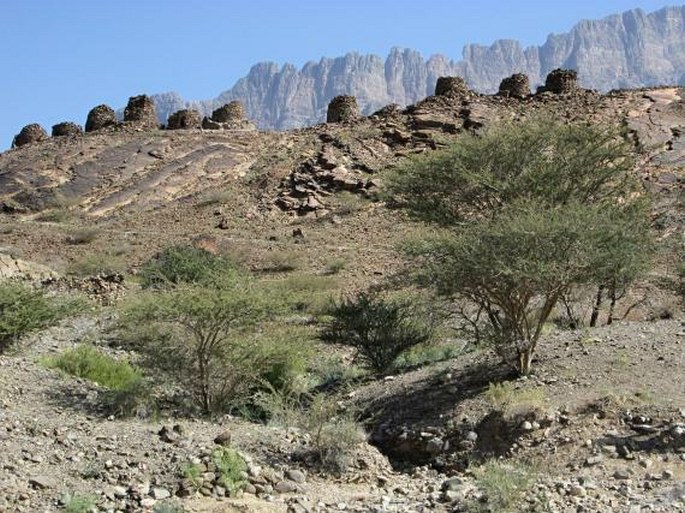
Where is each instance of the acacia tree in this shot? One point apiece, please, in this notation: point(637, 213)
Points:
point(530, 211)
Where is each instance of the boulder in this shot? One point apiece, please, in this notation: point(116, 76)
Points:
point(66, 128)
point(515, 86)
point(186, 118)
point(100, 117)
point(451, 86)
point(560, 81)
point(141, 112)
point(29, 134)
point(342, 108)
point(232, 112)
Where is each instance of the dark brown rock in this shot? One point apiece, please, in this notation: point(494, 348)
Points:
point(186, 118)
point(29, 134)
point(451, 86)
point(232, 112)
point(342, 108)
point(560, 81)
point(388, 112)
point(223, 438)
point(141, 112)
point(515, 86)
point(100, 117)
point(66, 128)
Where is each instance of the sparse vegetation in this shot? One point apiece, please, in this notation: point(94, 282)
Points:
point(504, 486)
point(514, 402)
point(379, 329)
point(127, 388)
point(281, 261)
point(24, 310)
point(231, 466)
point(177, 265)
point(94, 264)
point(78, 503)
point(82, 236)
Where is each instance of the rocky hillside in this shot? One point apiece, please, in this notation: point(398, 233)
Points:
point(633, 49)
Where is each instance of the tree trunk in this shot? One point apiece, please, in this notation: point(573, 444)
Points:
point(525, 362)
point(596, 307)
point(612, 305)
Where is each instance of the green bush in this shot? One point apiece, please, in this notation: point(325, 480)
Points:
point(91, 265)
point(126, 385)
point(78, 503)
point(201, 336)
point(379, 329)
point(82, 236)
point(185, 264)
point(231, 467)
point(24, 310)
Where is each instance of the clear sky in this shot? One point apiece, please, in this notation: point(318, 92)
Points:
point(62, 57)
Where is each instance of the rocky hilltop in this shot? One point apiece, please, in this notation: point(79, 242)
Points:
point(632, 49)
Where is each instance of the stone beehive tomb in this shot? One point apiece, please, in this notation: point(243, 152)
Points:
point(562, 81)
point(29, 134)
point(141, 112)
point(186, 118)
point(342, 108)
point(232, 112)
point(100, 117)
point(450, 86)
point(66, 128)
point(515, 86)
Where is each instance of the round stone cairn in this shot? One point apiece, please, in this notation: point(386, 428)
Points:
point(141, 111)
point(66, 128)
point(515, 86)
point(561, 81)
point(232, 112)
point(342, 108)
point(100, 117)
point(186, 118)
point(29, 134)
point(450, 86)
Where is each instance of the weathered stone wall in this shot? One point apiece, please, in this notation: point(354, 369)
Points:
point(66, 128)
point(29, 134)
point(232, 112)
point(186, 118)
point(100, 117)
point(515, 86)
point(561, 81)
point(342, 108)
point(141, 112)
point(450, 86)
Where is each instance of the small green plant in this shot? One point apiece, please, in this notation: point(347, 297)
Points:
point(178, 265)
point(192, 472)
point(168, 507)
point(515, 402)
point(94, 264)
point(281, 261)
point(56, 215)
point(78, 503)
point(379, 329)
point(126, 384)
point(82, 236)
point(335, 265)
point(216, 197)
point(504, 486)
point(231, 467)
point(24, 310)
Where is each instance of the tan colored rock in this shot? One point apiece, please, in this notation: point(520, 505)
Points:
point(186, 118)
point(141, 112)
point(11, 267)
point(29, 134)
point(342, 108)
point(560, 81)
point(515, 86)
point(65, 129)
point(232, 112)
point(100, 117)
point(451, 86)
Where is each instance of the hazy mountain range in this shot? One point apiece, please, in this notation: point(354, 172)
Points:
point(625, 50)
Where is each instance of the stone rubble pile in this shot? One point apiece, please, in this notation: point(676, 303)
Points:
point(515, 86)
point(66, 128)
point(30, 134)
point(342, 108)
point(100, 117)
point(184, 119)
point(141, 112)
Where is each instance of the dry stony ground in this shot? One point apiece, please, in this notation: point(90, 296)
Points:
point(607, 434)
point(600, 427)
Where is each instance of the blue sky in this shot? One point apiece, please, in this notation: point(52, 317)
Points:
point(62, 57)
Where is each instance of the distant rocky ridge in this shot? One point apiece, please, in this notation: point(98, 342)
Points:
point(632, 49)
